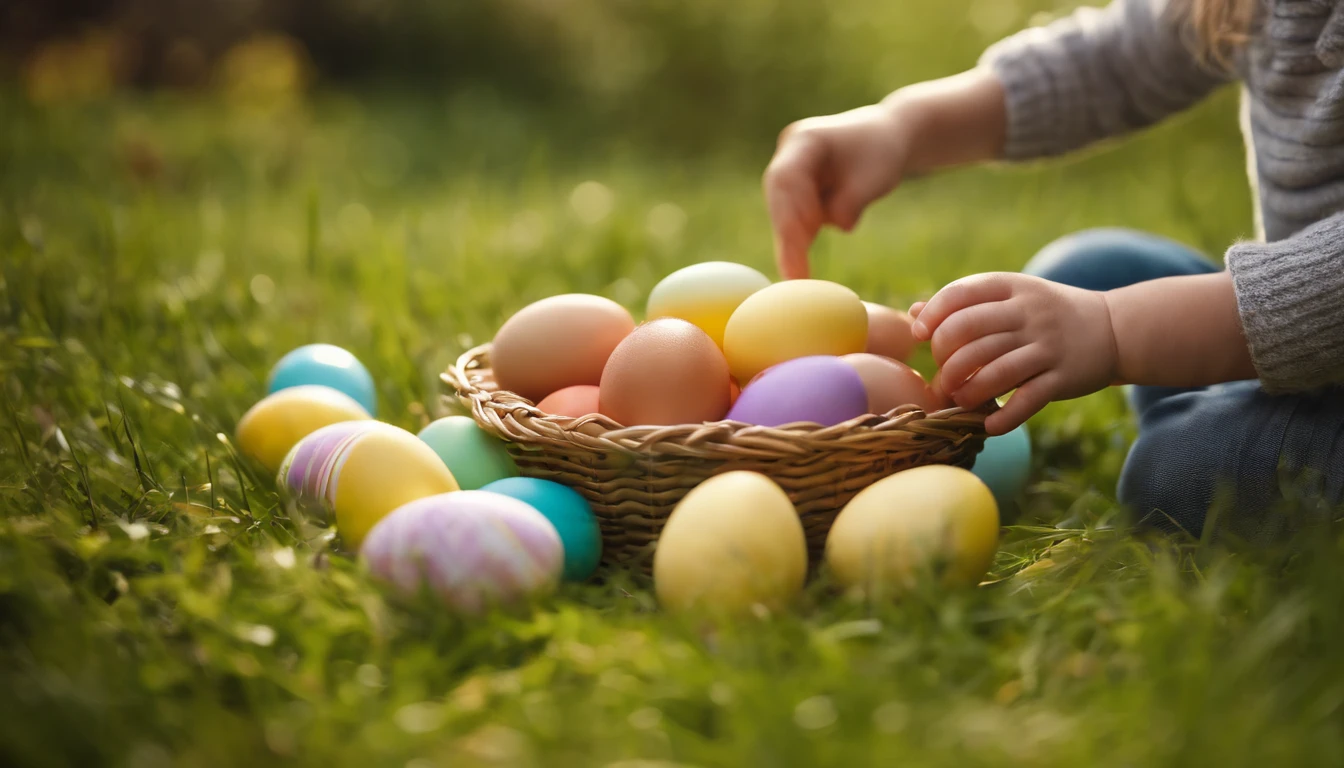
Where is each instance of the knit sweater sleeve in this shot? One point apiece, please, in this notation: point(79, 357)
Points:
point(1290, 294)
point(1097, 73)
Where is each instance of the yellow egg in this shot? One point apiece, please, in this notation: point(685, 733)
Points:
point(795, 318)
point(705, 294)
point(271, 427)
point(934, 521)
point(734, 541)
point(359, 474)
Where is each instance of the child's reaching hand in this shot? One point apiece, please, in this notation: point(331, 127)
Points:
point(998, 332)
point(827, 170)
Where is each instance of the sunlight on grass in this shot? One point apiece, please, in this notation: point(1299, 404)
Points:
point(158, 607)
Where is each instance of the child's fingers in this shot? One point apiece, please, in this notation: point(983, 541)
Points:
point(794, 202)
point(1026, 402)
point(974, 322)
point(966, 361)
point(916, 308)
point(1002, 376)
point(957, 295)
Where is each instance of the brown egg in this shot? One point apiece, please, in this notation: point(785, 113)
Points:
point(889, 332)
point(733, 392)
point(558, 342)
point(890, 384)
point(667, 372)
point(576, 401)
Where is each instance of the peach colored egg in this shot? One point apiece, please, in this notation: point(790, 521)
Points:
point(576, 401)
point(667, 371)
point(734, 392)
point(890, 384)
point(889, 332)
point(558, 342)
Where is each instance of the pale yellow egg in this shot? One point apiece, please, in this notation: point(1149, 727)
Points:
point(705, 294)
point(381, 471)
point(795, 318)
point(932, 522)
point(733, 542)
point(271, 427)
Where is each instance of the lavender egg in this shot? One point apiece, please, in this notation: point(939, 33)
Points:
point(472, 549)
point(819, 389)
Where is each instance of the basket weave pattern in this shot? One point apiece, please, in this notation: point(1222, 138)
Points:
point(634, 476)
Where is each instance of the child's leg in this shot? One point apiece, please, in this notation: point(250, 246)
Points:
point(1103, 259)
point(1235, 439)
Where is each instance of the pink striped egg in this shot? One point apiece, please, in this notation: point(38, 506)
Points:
point(473, 549)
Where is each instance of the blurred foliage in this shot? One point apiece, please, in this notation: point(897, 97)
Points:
point(683, 73)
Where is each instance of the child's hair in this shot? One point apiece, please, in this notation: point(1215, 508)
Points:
point(1220, 26)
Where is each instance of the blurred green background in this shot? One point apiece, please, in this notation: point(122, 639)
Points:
point(188, 190)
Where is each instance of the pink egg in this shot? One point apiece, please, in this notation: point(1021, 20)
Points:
point(473, 549)
point(819, 389)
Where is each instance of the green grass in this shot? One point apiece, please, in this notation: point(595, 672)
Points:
point(157, 607)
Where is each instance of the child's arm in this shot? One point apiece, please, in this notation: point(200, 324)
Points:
point(826, 170)
point(1045, 91)
point(999, 332)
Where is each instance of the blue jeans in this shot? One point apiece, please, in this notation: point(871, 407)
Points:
point(1230, 446)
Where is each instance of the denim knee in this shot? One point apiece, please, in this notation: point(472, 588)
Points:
point(1106, 258)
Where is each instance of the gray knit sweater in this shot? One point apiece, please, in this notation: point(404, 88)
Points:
point(1105, 72)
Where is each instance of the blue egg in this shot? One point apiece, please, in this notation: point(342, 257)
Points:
point(568, 512)
point(1004, 464)
point(329, 366)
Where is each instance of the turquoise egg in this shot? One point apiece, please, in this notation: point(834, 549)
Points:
point(329, 366)
point(475, 457)
point(1004, 464)
point(570, 514)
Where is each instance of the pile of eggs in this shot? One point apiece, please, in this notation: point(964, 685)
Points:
point(720, 342)
point(445, 509)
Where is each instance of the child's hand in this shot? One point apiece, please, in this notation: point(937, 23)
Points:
point(826, 170)
point(997, 332)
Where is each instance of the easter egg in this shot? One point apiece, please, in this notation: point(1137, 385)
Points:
point(820, 390)
point(734, 541)
point(358, 472)
point(270, 428)
point(935, 521)
point(889, 332)
point(795, 318)
point(558, 342)
point(889, 384)
point(329, 366)
point(666, 372)
point(473, 550)
point(705, 294)
point(475, 457)
point(576, 402)
point(569, 512)
point(1004, 464)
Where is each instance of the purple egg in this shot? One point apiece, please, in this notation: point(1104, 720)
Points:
point(473, 549)
point(819, 389)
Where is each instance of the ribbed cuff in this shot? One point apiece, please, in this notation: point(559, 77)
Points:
point(1030, 98)
point(1290, 295)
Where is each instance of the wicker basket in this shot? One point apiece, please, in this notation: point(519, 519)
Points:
point(634, 476)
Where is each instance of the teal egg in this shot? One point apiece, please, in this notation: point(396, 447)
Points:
point(1004, 464)
point(570, 514)
point(475, 457)
point(328, 366)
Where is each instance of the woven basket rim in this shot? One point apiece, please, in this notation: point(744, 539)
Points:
point(468, 378)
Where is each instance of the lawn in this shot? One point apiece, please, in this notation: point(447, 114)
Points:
point(159, 252)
